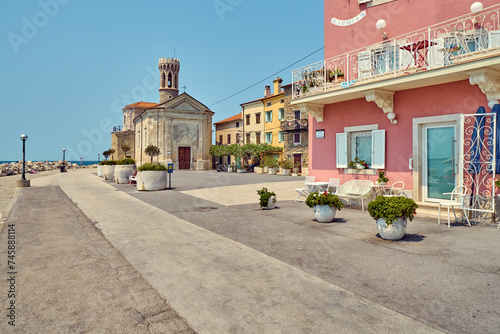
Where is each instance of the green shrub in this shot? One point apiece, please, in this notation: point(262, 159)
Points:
point(149, 166)
point(265, 195)
point(109, 162)
point(126, 161)
point(324, 198)
point(391, 208)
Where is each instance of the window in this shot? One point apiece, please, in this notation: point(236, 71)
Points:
point(248, 137)
point(257, 118)
point(248, 119)
point(282, 101)
point(268, 104)
point(237, 124)
point(281, 136)
point(257, 137)
point(296, 114)
point(269, 137)
point(281, 114)
point(269, 116)
point(229, 138)
point(296, 138)
point(363, 142)
point(237, 138)
point(220, 139)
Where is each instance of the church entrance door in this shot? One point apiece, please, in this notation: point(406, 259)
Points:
point(184, 157)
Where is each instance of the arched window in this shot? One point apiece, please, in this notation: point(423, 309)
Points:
point(162, 83)
point(176, 83)
point(170, 79)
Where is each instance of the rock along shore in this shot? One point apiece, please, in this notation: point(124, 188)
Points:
point(15, 168)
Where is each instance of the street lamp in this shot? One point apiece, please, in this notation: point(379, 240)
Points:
point(23, 182)
point(98, 157)
point(63, 167)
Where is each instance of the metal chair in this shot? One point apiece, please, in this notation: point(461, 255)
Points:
point(333, 183)
point(457, 199)
point(396, 189)
point(305, 190)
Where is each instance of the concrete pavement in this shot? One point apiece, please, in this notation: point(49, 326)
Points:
point(228, 267)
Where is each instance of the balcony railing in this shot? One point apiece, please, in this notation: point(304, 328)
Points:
point(296, 124)
point(449, 43)
point(117, 128)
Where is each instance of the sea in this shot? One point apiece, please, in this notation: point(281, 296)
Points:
point(80, 163)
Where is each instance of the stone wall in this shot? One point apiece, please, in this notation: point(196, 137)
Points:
point(15, 168)
point(289, 147)
point(118, 139)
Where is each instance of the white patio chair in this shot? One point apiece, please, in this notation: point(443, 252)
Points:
point(333, 185)
point(396, 189)
point(356, 189)
point(457, 199)
point(305, 190)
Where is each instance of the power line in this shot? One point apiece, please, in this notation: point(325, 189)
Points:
point(272, 75)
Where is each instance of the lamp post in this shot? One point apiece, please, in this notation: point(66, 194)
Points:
point(98, 157)
point(23, 182)
point(63, 167)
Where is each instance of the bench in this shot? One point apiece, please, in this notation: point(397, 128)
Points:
point(356, 189)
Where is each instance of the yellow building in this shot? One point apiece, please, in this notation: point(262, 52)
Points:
point(274, 113)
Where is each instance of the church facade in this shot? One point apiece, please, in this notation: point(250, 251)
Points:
point(180, 126)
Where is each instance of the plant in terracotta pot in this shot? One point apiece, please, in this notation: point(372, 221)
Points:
point(382, 179)
point(391, 215)
point(267, 199)
point(325, 205)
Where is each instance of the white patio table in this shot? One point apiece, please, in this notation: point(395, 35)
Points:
point(317, 186)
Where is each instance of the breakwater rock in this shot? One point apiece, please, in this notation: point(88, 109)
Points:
point(15, 168)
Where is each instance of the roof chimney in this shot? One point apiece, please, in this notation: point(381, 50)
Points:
point(267, 91)
point(277, 85)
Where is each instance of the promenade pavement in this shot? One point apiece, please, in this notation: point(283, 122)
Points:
point(226, 266)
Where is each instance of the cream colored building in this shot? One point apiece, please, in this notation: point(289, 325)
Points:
point(227, 132)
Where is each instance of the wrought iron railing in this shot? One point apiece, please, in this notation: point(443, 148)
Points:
point(449, 43)
point(117, 128)
point(296, 124)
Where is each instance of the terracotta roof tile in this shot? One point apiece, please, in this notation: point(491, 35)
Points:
point(142, 105)
point(232, 118)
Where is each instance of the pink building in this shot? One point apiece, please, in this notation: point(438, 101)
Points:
point(397, 79)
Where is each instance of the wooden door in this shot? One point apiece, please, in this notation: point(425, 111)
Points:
point(297, 158)
point(184, 157)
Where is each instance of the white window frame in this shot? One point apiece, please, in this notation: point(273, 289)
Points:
point(378, 146)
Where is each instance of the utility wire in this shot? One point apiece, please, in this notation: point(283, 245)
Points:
point(272, 75)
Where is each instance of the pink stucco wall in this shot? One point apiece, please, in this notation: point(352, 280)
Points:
point(401, 16)
point(451, 98)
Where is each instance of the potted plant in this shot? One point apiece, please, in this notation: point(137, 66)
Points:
point(391, 215)
point(324, 204)
point(296, 168)
point(305, 168)
point(124, 169)
point(266, 161)
point(267, 199)
point(382, 179)
point(151, 177)
point(260, 169)
point(109, 169)
point(358, 164)
point(286, 165)
point(273, 164)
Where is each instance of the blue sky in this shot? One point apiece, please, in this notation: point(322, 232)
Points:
point(69, 66)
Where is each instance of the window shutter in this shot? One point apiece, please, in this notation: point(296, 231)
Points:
point(494, 39)
point(341, 150)
point(364, 64)
point(436, 56)
point(378, 149)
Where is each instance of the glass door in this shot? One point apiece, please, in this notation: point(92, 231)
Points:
point(440, 161)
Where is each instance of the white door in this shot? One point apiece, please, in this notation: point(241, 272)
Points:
point(440, 161)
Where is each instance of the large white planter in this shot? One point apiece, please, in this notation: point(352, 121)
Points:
point(286, 172)
point(151, 180)
point(240, 170)
point(259, 170)
point(395, 231)
point(266, 169)
point(122, 172)
point(100, 170)
point(109, 172)
point(272, 171)
point(324, 213)
point(271, 204)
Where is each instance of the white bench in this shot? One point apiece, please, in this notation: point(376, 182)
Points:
point(356, 189)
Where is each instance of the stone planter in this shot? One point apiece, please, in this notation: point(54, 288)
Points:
point(295, 170)
point(381, 183)
point(259, 170)
point(395, 231)
point(122, 172)
point(240, 170)
point(229, 169)
point(151, 180)
point(100, 170)
point(286, 172)
point(359, 166)
point(109, 172)
point(266, 169)
point(324, 213)
point(271, 204)
point(272, 171)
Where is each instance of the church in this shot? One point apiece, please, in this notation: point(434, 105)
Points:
point(180, 126)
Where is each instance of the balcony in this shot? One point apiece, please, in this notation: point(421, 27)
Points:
point(441, 53)
point(294, 125)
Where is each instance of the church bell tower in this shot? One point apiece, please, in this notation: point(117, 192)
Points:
point(169, 78)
